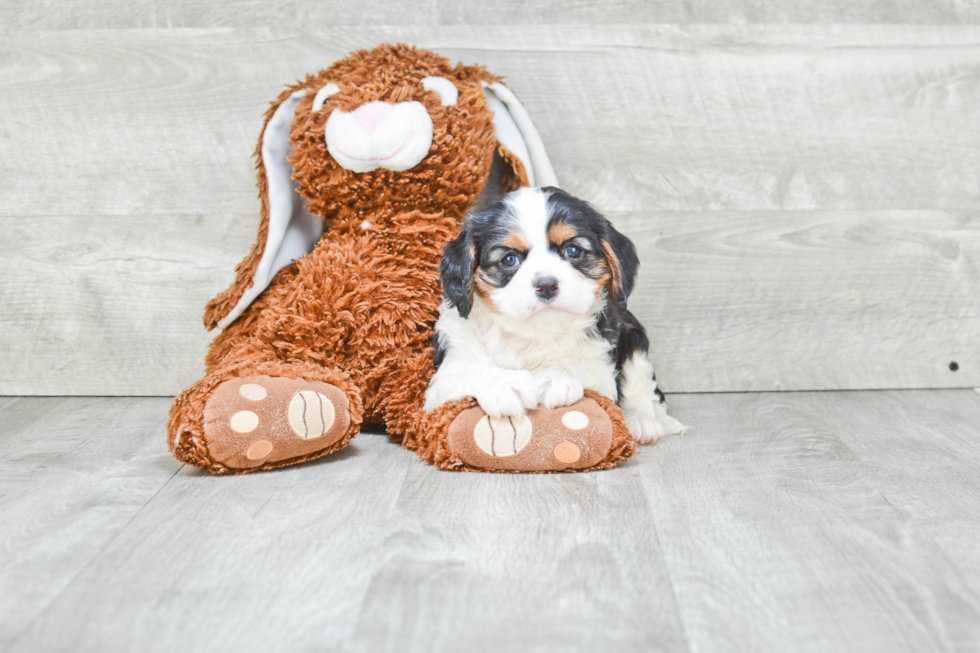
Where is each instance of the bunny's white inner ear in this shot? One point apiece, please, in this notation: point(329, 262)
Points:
point(293, 231)
point(516, 132)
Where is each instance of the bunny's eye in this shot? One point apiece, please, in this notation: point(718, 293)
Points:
point(447, 91)
point(323, 94)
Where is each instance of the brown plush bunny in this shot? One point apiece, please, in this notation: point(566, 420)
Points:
point(365, 171)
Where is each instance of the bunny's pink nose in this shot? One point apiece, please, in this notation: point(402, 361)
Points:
point(372, 115)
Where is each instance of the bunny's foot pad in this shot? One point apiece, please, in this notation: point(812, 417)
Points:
point(563, 439)
point(257, 420)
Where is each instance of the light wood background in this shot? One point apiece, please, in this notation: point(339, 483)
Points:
point(802, 181)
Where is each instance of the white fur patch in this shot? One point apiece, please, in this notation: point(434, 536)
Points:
point(511, 367)
point(646, 417)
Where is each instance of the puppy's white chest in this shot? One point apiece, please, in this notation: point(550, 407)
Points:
point(577, 354)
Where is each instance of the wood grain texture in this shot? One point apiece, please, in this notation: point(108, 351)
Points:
point(519, 562)
point(129, 190)
point(105, 306)
point(822, 521)
point(74, 474)
point(780, 521)
point(150, 122)
point(809, 300)
point(48, 14)
point(800, 300)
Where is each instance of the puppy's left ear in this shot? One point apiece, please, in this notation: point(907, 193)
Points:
point(456, 272)
point(623, 263)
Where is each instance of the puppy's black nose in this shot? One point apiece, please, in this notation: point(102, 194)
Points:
point(546, 287)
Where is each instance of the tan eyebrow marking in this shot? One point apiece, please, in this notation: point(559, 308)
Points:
point(516, 241)
point(559, 232)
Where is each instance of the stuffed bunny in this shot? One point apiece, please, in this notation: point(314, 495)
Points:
point(365, 171)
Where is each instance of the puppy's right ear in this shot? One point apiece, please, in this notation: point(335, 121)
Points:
point(456, 272)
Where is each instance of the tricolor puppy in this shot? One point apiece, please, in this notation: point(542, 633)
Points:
point(535, 312)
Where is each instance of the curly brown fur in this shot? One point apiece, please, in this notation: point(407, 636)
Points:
point(358, 311)
point(359, 308)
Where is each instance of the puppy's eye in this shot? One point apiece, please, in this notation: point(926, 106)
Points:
point(510, 261)
point(572, 251)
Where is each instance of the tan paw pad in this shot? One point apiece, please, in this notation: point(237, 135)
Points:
point(263, 419)
point(244, 421)
point(502, 436)
point(253, 391)
point(575, 420)
point(259, 450)
point(310, 414)
point(567, 452)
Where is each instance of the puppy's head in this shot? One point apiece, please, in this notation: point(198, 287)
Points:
point(538, 254)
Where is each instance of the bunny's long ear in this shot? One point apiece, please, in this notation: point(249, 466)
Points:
point(287, 230)
point(519, 143)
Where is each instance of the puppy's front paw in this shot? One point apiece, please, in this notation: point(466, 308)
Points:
point(643, 426)
point(507, 393)
point(558, 389)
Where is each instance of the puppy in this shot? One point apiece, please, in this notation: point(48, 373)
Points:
point(535, 312)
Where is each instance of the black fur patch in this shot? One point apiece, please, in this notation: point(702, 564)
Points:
point(594, 228)
point(630, 338)
point(477, 244)
point(456, 273)
point(440, 350)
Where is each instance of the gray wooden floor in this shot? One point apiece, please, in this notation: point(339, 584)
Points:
point(840, 521)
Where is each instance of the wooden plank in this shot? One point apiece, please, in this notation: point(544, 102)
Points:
point(74, 473)
point(742, 301)
point(809, 300)
point(779, 535)
point(780, 521)
point(116, 231)
point(272, 561)
point(635, 118)
point(373, 550)
point(481, 562)
point(100, 306)
point(47, 14)
point(940, 445)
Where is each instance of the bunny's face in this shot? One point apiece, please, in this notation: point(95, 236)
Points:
point(392, 125)
point(387, 140)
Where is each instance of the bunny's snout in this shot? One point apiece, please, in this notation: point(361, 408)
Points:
point(380, 135)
